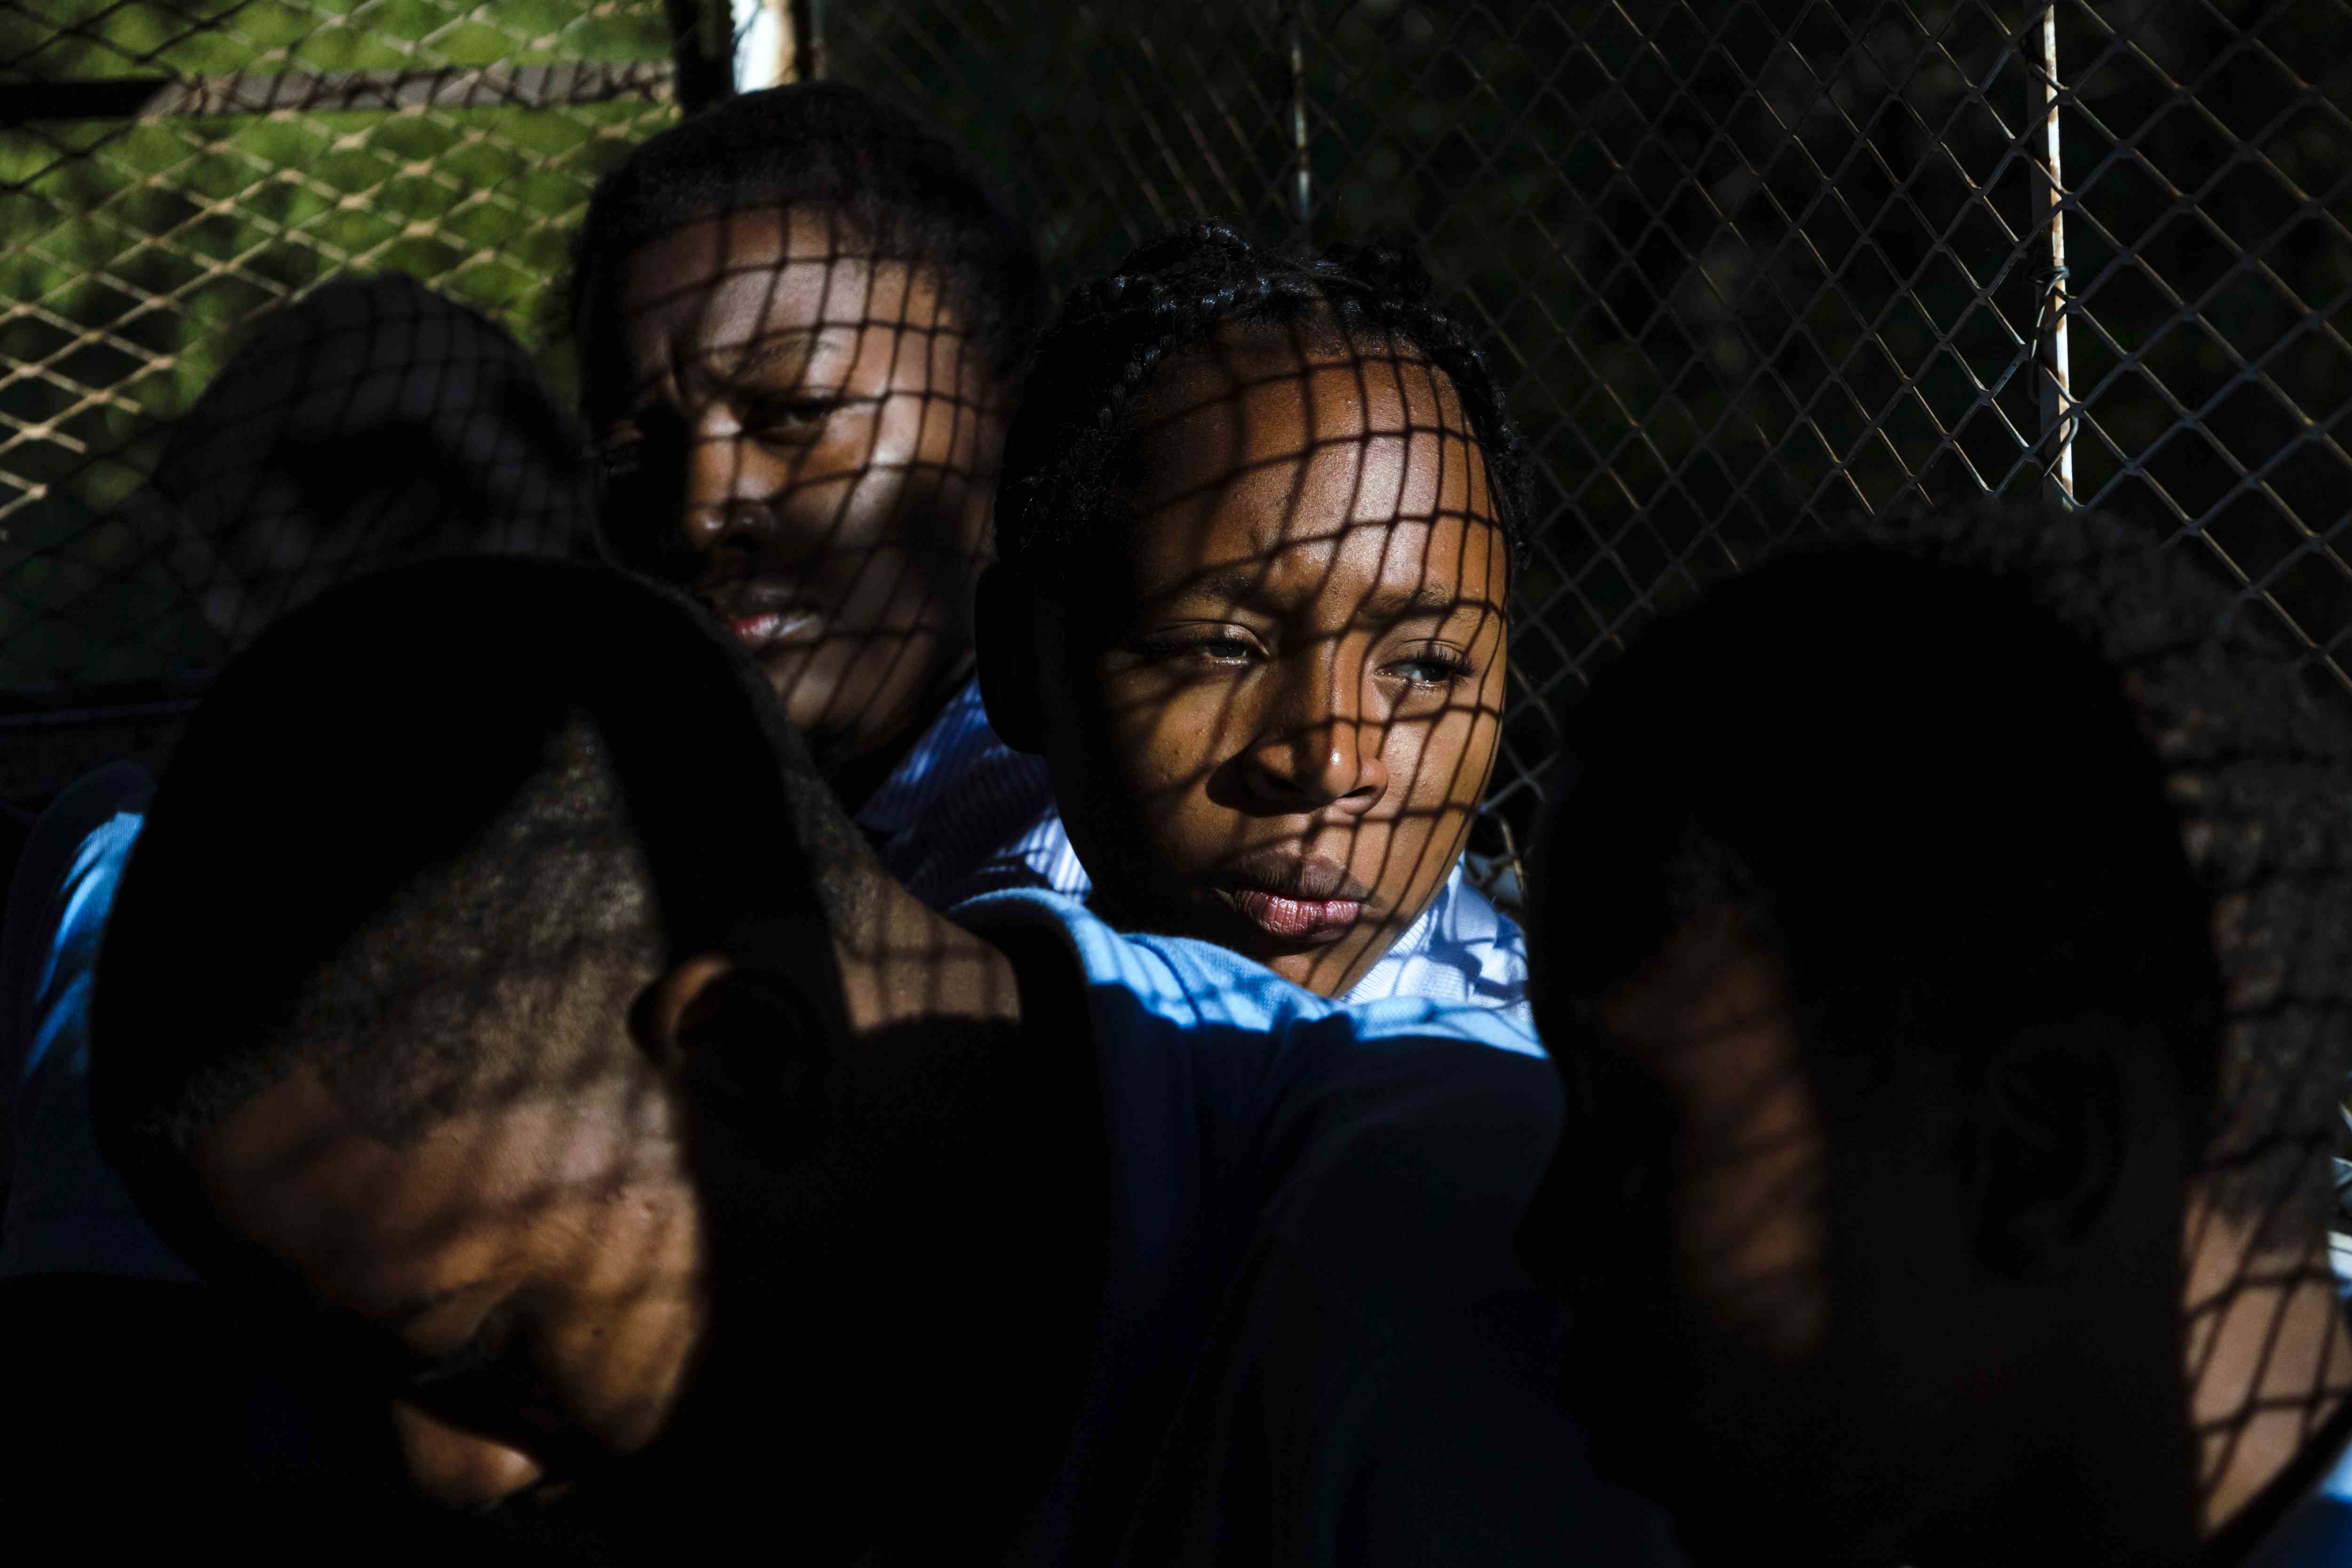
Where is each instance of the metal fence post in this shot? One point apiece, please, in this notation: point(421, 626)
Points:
point(1303, 216)
point(768, 43)
point(703, 50)
point(808, 35)
point(2049, 201)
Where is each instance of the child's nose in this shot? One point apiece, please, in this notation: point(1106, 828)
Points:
point(1333, 760)
point(730, 487)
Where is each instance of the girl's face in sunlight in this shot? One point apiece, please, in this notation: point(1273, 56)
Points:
point(1288, 683)
point(810, 445)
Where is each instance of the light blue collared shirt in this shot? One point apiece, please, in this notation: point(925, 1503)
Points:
point(965, 815)
point(1315, 1344)
point(67, 1212)
point(1185, 984)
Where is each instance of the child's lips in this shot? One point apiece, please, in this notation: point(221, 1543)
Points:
point(761, 612)
point(761, 629)
point(1292, 897)
point(1295, 919)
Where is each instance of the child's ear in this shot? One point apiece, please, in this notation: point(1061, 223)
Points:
point(2047, 1147)
point(748, 1036)
point(664, 1017)
point(1004, 633)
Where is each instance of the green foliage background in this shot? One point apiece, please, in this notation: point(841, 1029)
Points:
point(1748, 265)
point(133, 254)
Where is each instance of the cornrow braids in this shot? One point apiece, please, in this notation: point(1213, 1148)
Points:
point(1069, 458)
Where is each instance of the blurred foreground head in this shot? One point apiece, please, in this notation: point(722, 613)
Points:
point(371, 422)
point(379, 1032)
point(1943, 941)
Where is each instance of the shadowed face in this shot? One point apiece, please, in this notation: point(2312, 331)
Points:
point(523, 1283)
point(1830, 1288)
point(1282, 700)
point(808, 441)
point(1683, 1220)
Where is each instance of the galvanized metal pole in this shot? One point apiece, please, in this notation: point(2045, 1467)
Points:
point(814, 59)
point(767, 44)
point(702, 52)
point(1302, 216)
point(2058, 416)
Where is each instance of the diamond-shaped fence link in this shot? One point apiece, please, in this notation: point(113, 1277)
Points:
point(169, 173)
point(1750, 266)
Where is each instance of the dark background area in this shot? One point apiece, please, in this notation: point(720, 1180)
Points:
point(1748, 269)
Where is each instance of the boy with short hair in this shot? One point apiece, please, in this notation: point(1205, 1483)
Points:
point(631, 1135)
point(1943, 942)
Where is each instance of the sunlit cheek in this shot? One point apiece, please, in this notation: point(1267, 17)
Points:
point(2266, 1357)
point(1400, 861)
point(947, 434)
point(1170, 737)
point(626, 1355)
point(724, 463)
point(633, 1367)
point(1440, 762)
point(816, 501)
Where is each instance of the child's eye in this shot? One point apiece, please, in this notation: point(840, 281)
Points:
point(644, 446)
point(1432, 667)
point(1210, 649)
point(789, 418)
point(621, 455)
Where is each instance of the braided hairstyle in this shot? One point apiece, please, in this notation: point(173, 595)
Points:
point(1069, 458)
point(899, 185)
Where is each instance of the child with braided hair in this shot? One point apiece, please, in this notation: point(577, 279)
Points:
point(1255, 531)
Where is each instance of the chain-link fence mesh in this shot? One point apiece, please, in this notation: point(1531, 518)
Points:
point(173, 172)
point(1748, 267)
point(1753, 265)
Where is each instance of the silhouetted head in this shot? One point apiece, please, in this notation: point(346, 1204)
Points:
point(387, 1026)
point(801, 317)
point(370, 423)
point(1256, 526)
point(1937, 936)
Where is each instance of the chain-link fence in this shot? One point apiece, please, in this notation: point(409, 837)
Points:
point(173, 172)
point(1748, 267)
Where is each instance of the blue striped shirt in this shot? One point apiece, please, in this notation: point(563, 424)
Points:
point(966, 815)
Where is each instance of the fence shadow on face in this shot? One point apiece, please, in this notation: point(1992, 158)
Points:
point(1974, 1116)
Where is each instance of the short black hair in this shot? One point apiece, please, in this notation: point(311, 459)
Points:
point(1967, 774)
point(2257, 756)
point(1987, 766)
point(370, 422)
point(1068, 458)
point(900, 185)
point(427, 836)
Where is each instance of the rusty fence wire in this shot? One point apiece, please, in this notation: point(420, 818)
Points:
point(1748, 268)
point(169, 172)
